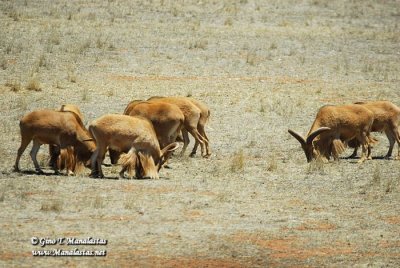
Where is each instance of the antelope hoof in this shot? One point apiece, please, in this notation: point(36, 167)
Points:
point(39, 172)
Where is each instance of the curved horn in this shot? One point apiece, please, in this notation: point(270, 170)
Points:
point(166, 153)
point(297, 136)
point(170, 148)
point(315, 133)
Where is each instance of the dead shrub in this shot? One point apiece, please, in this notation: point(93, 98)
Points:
point(237, 161)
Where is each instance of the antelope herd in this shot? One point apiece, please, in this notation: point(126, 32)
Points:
point(147, 133)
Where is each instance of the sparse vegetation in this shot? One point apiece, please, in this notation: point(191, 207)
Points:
point(262, 67)
point(14, 86)
point(85, 95)
point(98, 202)
point(251, 57)
point(228, 22)
point(52, 206)
point(272, 164)
point(33, 84)
point(237, 161)
point(316, 166)
point(198, 44)
point(72, 76)
point(3, 63)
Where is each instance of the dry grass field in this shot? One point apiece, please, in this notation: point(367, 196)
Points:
point(262, 67)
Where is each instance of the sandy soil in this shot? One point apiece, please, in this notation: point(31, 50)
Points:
point(262, 67)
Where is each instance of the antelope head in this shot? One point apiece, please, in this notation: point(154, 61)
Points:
point(307, 144)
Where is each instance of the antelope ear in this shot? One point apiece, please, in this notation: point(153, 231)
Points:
point(297, 136)
point(314, 134)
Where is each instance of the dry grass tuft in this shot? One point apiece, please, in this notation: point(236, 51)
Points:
point(55, 38)
point(198, 44)
point(53, 205)
point(3, 63)
point(376, 176)
point(43, 159)
point(272, 164)
point(14, 86)
point(85, 95)
point(237, 161)
point(33, 84)
point(42, 62)
point(130, 204)
point(72, 76)
point(316, 166)
point(251, 57)
point(228, 22)
point(15, 15)
point(98, 202)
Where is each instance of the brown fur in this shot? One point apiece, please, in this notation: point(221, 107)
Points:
point(386, 119)
point(204, 118)
point(167, 119)
point(192, 118)
point(132, 135)
point(72, 108)
point(130, 162)
point(334, 125)
point(66, 157)
point(62, 129)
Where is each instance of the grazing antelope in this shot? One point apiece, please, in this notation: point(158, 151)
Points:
point(134, 136)
point(386, 119)
point(334, 125)
point(65, 158)
point(62, 129)
point(193, 117)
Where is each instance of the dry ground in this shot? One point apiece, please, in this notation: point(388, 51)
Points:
point(262, 67)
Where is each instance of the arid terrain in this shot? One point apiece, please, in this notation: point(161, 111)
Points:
point(262, 67)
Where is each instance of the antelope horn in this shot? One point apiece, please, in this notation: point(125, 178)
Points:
point(297, 136)
point(315, 133)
